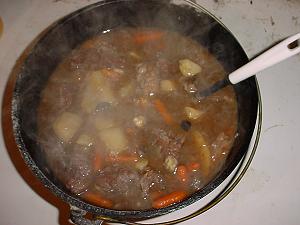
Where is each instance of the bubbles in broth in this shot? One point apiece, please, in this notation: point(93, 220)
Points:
point(119, 124)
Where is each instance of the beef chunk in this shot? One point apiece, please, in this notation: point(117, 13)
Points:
point(65, 93)
point(79, 174)
point(168, 142)
point(125, 185)
point(222, 142)
point(120, 181)
point(147, 78)
point(54, 151)
point(166, 68)
point(110, 55)
point(56, 157)
point(150, 180)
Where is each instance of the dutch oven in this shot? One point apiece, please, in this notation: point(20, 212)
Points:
point(62, 37)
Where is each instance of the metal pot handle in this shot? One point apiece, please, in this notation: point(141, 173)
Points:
point(77, 217)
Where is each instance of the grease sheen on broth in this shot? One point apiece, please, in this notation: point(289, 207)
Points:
point(119, 125)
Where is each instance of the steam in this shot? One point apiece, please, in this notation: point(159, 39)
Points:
point(64, 37)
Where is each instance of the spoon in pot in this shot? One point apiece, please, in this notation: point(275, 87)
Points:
point(276, 54)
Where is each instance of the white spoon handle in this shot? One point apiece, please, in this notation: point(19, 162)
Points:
point(274, 55)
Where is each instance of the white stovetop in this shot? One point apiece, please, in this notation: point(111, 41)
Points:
point(269, 194)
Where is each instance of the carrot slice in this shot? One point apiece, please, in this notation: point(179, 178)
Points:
point(169, 199)
point(147, 36)
point(97, 163)
point(161, 108)
point(97, 200)
point(182, 173)
point(194, 166)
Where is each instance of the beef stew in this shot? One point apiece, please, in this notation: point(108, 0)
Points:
point(120, 127)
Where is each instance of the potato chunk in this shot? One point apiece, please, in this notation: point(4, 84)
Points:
point(167, 86)
point(96, 80)
point(171, 163)
point(126, 90)
point(139, 121)
point(188, 68)
point(141, 164)
point(85, 140)
point(97, 90)
point(103, 122)
point(114, 139)
point(192, 113)
point(204, 152)
point(66, 125)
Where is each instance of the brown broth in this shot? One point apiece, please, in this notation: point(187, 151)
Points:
point(116, 139)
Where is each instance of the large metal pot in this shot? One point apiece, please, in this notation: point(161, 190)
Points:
point(69, 32)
